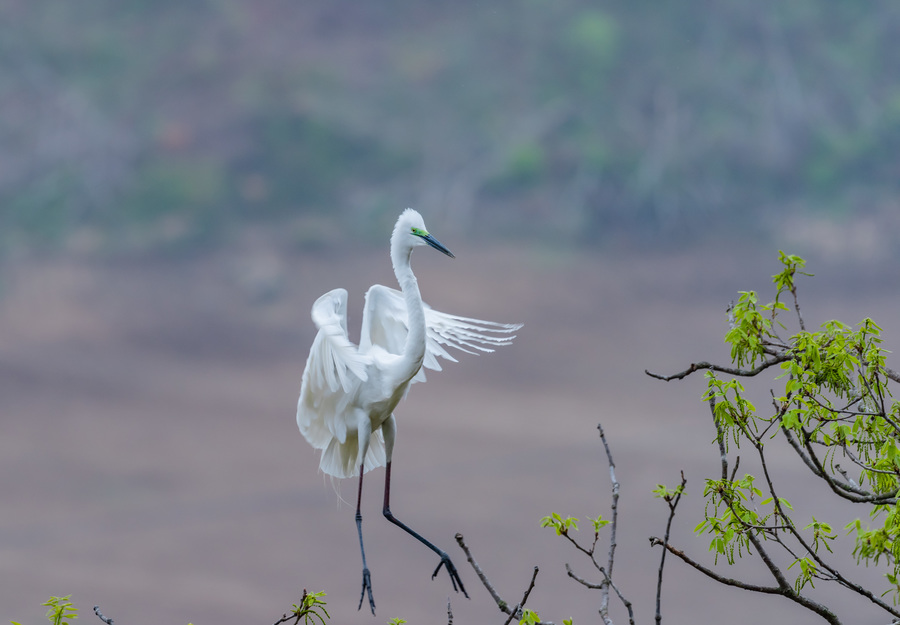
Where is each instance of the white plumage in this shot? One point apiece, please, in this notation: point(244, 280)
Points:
point(344, 384)
point(349, 392)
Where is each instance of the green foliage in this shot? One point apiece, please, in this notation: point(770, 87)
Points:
point(311, 609)
point(784, 281)
point(735, 413)
point(396, 621)
point(562, 526)
point(834, 406)
point(822, 534)
point(664, 492)
point(808, 570)
point(728, 518)
point(599, 522)
point(60, 610)
point(529, 617)
point(751, 329)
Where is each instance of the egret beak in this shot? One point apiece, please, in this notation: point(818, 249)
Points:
point(430, 240)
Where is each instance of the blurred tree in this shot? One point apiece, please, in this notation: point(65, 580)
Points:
point(567, 118)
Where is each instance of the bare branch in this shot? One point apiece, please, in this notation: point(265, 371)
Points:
point(614, 508)
point(517, 612)
point(844, 473)
point(99, 614)
point(581, 580)
point(480, 573)
point(734, 469)
point(697, 366)
point(293, 615)
point(604, 614)
point(503, 605)
point(894, 375)
point(797, 308)
point(614, 522)
point(772, 590)
point(783, 590)
point(673, 503)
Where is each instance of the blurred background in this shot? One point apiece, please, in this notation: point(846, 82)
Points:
point(179, 181)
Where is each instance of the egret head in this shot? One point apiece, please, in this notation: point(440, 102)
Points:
point(410, 231)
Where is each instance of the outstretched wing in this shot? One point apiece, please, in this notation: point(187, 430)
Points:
point(385, 324)
point(334, 372)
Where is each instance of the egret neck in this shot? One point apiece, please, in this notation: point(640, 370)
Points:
point(414, 350)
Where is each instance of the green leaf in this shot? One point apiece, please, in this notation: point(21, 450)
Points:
point(529, 617)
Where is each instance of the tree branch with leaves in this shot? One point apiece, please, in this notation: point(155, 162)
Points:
point(833, 407)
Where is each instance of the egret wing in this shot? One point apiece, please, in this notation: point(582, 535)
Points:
point(385, 324)
point(334, 372)
point(384, 321)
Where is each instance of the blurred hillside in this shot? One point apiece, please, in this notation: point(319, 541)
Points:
point(143, 125)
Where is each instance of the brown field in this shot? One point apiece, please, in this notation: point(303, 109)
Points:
point(150, 462)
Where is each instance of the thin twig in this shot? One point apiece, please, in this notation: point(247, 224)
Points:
point(99, 614)
point(673, 503)
point(856, 495)
point(606, 581)
point(734, 470)
point(614, 522)
point(503, 605)
point(797, 308)
point(861, 464)
point(518, 611)
point(581, 580)
point(880, 395)
point(614, 508)
point(484, 580)
point(720, 438)
point(844, 473)
point(294, 615)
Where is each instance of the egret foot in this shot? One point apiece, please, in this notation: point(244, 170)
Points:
point(451, 570)
point(367, 587)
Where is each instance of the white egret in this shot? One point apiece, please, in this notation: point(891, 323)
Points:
point(349, 393)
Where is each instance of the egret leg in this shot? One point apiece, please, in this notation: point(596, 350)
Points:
point(367, 579)
point(445, 559)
